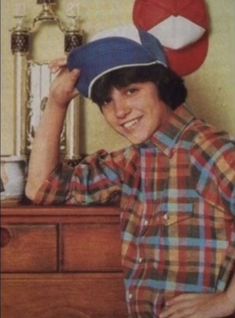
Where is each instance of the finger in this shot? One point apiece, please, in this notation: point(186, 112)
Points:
point(182, 310)
point(61, 61)
point(56, 69)
point(57, 64)
point(183, 297)
point(75, 93)
point(75, 74)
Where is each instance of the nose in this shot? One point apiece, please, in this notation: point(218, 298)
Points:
point(121, 106)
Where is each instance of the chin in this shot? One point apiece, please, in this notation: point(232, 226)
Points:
point(137, 141)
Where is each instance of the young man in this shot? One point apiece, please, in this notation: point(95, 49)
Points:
point(176, 181)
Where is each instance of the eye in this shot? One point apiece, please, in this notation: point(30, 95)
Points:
point(106, 101)
point(132, 90)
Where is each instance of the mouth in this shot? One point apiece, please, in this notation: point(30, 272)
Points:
point(131, 123)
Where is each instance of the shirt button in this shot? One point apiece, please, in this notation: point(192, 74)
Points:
point(165, 217)
point(146, 222)
point(140, 259)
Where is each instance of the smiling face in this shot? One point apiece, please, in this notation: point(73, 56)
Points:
point(135, 111)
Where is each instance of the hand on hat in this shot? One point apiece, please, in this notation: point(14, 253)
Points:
point(57, 64)
point(63, 89)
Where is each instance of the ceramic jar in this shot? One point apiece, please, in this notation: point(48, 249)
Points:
point(13, 172)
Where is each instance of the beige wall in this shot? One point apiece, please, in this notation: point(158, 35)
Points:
point(211, 88)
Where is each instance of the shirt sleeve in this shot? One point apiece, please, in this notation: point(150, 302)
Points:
point(96, 179)
point(213, 168)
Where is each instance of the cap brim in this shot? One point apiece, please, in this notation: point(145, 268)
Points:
point(187, 60)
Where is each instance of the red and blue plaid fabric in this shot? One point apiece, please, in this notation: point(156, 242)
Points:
point(177, 200)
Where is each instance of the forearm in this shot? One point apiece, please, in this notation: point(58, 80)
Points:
point(46, 147)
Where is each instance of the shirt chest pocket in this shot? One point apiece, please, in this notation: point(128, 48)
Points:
point(195, 214)
point(171, 212)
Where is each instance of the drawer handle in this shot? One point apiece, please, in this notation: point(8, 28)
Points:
point(4, 237)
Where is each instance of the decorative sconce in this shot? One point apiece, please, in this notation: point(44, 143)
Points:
point(21, 39)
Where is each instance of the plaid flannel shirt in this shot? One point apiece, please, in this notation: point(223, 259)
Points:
point(177, 200)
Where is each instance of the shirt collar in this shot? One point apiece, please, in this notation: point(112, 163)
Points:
point(167, 136)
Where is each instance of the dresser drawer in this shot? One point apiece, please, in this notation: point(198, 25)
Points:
point(91, 247)
point(63, 296)
point(28, 248)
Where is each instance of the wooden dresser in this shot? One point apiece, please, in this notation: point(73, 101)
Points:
point(61, 262)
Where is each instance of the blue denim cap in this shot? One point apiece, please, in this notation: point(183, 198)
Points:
point(104, 55)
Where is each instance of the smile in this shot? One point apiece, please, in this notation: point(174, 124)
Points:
point(131, 123)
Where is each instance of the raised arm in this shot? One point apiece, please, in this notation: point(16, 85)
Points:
point(45, 150)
